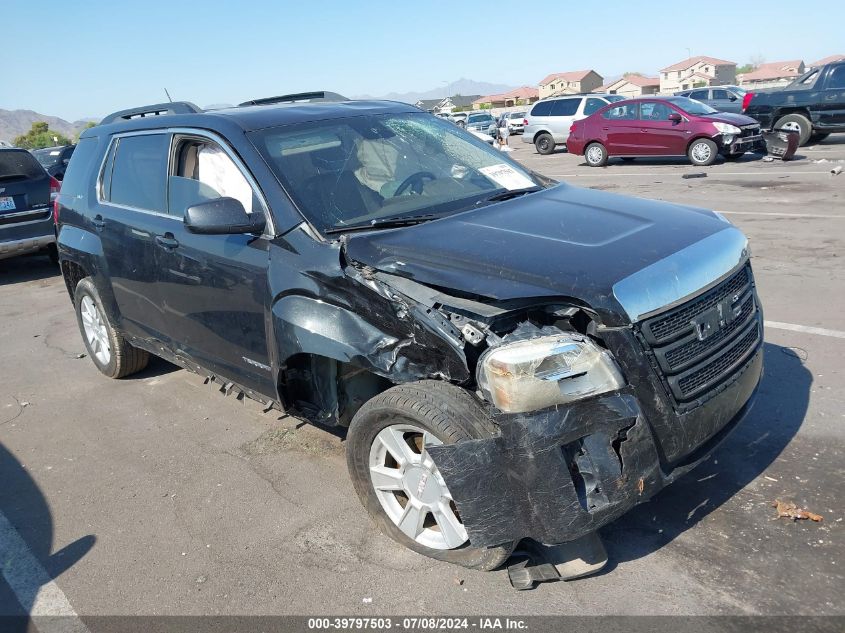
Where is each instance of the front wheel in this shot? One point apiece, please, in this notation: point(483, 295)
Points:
point(398, 482)
point(111, 353)
point(544, 143)
point(595, 155)
point(702, 152)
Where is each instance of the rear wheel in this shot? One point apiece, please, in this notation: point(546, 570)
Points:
point(702, 152)
point(595, 155)
point(544, 143)
point(796, 123)
point(111, 353)
point(398, 482)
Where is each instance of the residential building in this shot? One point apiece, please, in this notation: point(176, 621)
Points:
point(696, 72)
point(772, 74)
point(428, 104)
point(633, 85)
point(516, 97)
point(461, 102)
point(826, 60)
point(569, 83)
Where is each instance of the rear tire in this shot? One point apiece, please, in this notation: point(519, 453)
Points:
point(596, 155)
point(403, 414)
point(702, 152)
point(544, 143)
point(111, 353)
point(796, 123)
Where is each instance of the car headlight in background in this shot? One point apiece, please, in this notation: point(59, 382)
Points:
point(536, 373)
point(727, 128)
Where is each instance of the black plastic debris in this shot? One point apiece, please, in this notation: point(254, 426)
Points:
point(535, 563)
point(781, 143)
point(698, 174)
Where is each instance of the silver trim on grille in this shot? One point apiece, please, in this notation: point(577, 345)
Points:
point(678, 277)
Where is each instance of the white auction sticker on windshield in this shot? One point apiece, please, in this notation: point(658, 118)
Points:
point(507, 177)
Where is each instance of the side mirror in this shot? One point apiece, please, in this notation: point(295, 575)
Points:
point(674, 117)
point(732, 96)
point(222, 216)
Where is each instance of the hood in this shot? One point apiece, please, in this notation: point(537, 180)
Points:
point(560, 242)
point(729, 117)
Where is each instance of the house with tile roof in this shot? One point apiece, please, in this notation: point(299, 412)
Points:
point(695, 72)
point(571, 82)
point(772, 74)
point(826, 60)
point(524, 95)
point(633, 85)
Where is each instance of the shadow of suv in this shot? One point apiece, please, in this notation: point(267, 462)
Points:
point(512, 357)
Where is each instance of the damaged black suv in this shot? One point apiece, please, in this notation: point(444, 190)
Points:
point(512, 357)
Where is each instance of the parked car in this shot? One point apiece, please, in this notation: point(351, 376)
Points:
point(516, 121)
point(813, 105)
point(54, 159)
point(481, 122)
point(721, 98)
point(548, 122)
point(509, 357)
point(670, 126)
point(26, 219)
point(459, 118)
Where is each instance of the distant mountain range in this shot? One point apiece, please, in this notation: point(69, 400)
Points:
point(16, 122)
point(460, 87)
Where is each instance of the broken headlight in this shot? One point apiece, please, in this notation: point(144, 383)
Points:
point(727, 128)
point(536, 373)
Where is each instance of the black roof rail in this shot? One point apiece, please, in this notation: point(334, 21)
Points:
point(321, 95)
point(157, 109)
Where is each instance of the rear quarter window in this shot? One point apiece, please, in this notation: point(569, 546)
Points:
point(80, 167)
point(139, 173)
point(543, 108)
point(17, 164)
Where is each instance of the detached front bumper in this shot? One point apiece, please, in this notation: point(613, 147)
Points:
point(558, 474)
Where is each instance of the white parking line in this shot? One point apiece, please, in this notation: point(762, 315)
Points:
point(33, 587)
point(805, 329)
point(786, 215)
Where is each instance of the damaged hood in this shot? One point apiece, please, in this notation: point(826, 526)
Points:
point(731, 117)
point(598, 248)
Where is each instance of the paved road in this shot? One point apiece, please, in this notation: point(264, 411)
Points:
point(157, 495)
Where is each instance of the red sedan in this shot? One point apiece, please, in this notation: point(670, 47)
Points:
point(674, 126)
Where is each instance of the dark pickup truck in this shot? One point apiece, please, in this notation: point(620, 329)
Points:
point(813, 105)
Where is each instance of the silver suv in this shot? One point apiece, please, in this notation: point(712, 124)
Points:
point(549, 120)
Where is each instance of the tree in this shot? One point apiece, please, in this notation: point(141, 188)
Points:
point(40, 136)
point(741, 70)
point(87, 126)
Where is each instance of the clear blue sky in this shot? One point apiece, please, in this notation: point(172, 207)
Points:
point(87, 58)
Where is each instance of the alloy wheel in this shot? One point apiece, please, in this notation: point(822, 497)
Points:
point(411, 490)
point(701, 152)
point(594, 155)
point(95, 330)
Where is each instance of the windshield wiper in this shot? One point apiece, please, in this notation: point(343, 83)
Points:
point(511, 193)
point(384, 223)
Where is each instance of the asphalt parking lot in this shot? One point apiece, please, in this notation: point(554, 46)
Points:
point(158, 495)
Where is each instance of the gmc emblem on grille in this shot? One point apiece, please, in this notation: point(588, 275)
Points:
point(716, 318)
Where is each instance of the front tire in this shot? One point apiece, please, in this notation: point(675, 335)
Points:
point(544, 143)
point(397, 481)
point(111, 353)
point(796, 123)
point(702, 152)
point(596, 155)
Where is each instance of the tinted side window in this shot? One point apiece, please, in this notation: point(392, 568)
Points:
point(836, 79)
point(80, 167)
point(139, 172)
point(698, 94)
point(721, 94)
point(543, 108)
point(565, 107)
point(592, 105)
